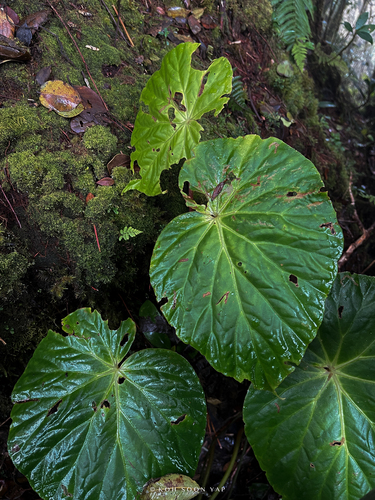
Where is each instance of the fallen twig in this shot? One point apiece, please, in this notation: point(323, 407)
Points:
point(10, 205)
point(97, 239)
point(123, 25)
point(114, 22)
point(366, 233)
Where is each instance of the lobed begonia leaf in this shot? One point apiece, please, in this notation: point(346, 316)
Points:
point(316, 439)
point(246, 274)
point(177, 96)
point(89, 424)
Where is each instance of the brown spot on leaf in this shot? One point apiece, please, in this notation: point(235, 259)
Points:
point(338, 443)
point(183, 260)
point(257, 182)
point(330, 226)
point(226, 294)
point(340, 310)
point(206, 294)
point(105, 404)
point(275, 144)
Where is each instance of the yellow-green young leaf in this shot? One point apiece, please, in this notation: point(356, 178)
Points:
point(177, 96)
point(62, 98)
point(315, 440)
point(171, 487)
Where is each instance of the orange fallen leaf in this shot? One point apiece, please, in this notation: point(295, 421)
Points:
point(89, 197)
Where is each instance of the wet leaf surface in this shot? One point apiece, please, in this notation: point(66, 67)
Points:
point(110, 420)
point(10, 49)
point(62, 98)
point(315, 438)
point(246, 275)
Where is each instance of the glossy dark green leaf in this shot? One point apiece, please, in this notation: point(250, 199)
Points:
point(365, 36)
point(154, 326)
point(89, 424)
point(361, 21)
point(246, 275)
point(348, 26)
point(316, 440)
point(177, 96)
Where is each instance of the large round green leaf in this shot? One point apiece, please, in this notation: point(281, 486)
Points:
point(246, 274)
point(316, 441)
point(88, 424)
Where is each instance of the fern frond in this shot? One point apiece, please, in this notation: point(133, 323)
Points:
point(299, 51)
point(291, 16)
point(238, 92)
point(128, 232)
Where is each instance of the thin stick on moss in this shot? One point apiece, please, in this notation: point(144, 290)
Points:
point(80, 53)
point(96, 236)
point(10, 205)
point(123, 25)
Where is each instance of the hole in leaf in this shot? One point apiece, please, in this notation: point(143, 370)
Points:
point(54, 408)
point(124, 339)
point(291, 193)
point(171, 114)
point(239, 264)
point(330, 226)
point(179, 420)
point(94, 407)
point(204, 81)
point(121, 380)
point(293, 279)
point(123, 359)
point(340, 310)
point(178, 100)
point(323, 189)
point(338, 443)
point(66, 374)
point(105, 404)
point(312, 466)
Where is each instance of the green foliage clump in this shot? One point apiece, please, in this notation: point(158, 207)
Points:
point(13, 267)
point(100, 140)
point(297, 93)
point(252, 14)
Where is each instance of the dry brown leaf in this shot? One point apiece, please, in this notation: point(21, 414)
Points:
point(6, 28)
point(89, 197)
point(106, 181)
point(119, 160)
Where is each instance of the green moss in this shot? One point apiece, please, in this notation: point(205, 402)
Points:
point(13, 267)
point(297, 93)
point(100, 140)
